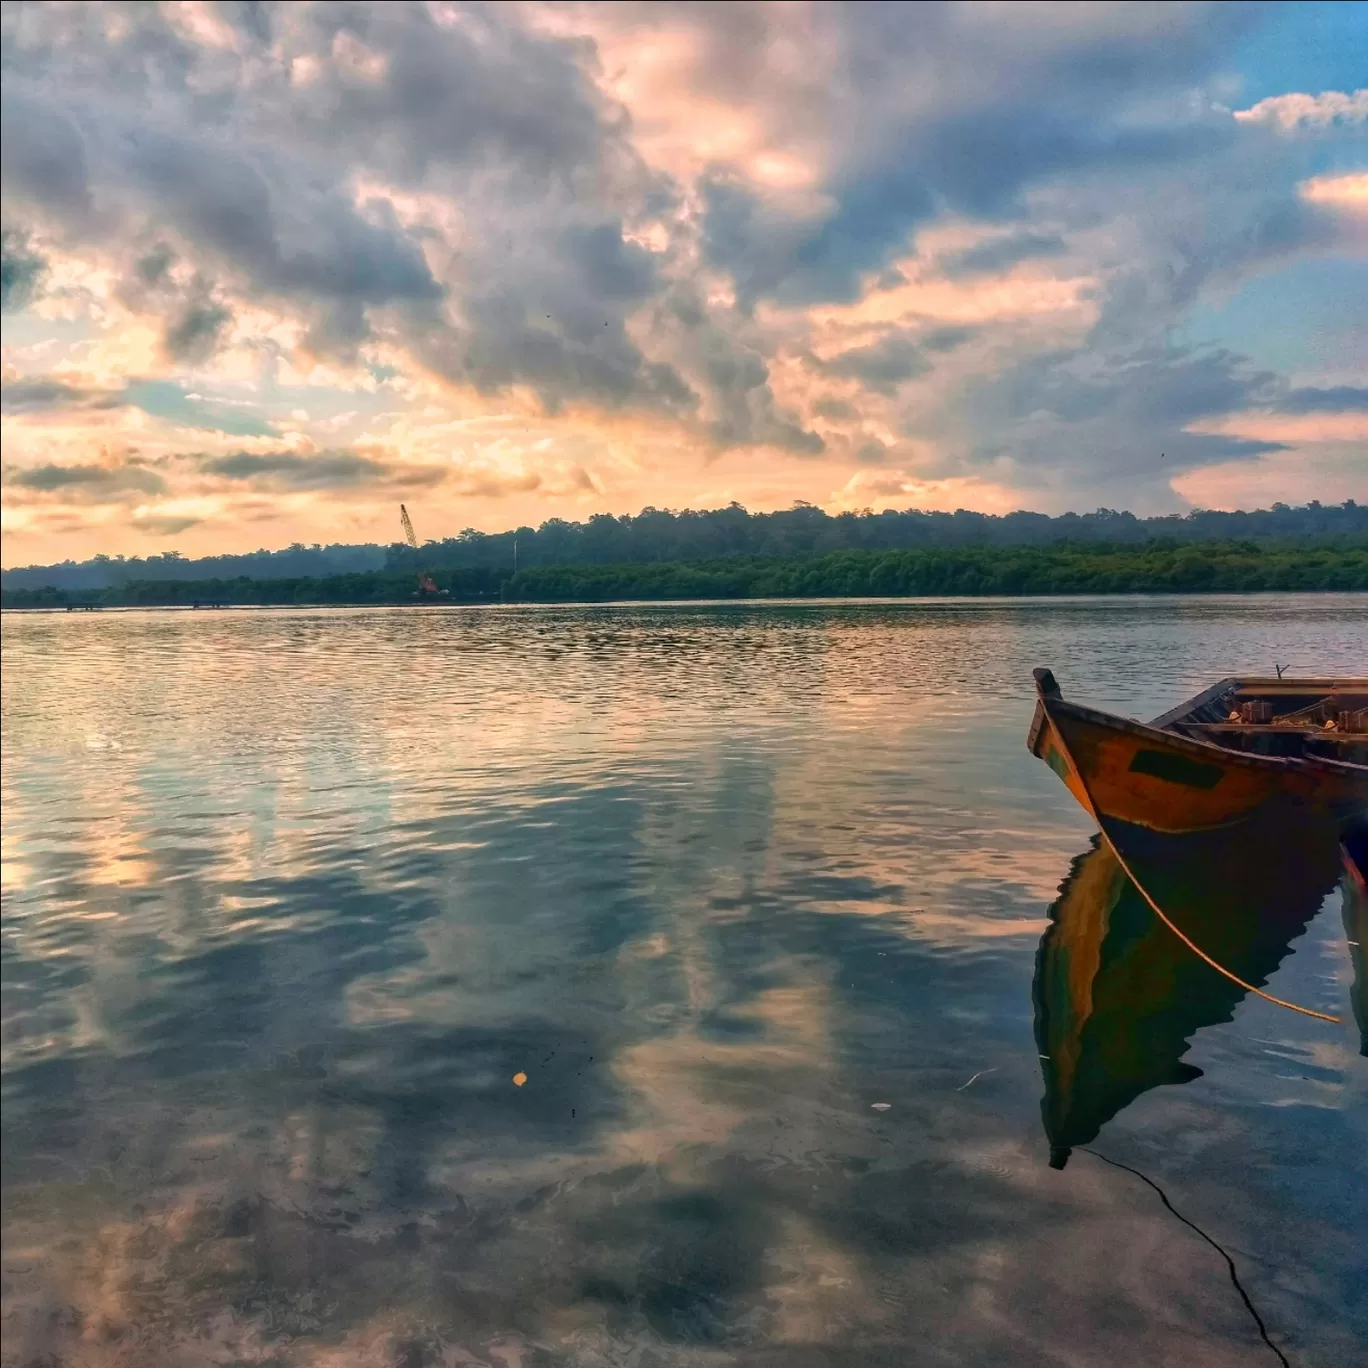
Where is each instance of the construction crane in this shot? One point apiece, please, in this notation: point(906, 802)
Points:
point(425, 581)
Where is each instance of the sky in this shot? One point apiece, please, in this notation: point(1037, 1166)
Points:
point(270, 269)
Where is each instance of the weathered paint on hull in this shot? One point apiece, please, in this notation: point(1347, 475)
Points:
point(1155, 779)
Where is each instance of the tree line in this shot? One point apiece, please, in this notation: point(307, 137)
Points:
point(659, 536)
point(1158, 566)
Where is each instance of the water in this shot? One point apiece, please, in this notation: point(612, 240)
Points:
point(748, 893)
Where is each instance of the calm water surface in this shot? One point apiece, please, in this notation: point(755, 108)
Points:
point(749, 894)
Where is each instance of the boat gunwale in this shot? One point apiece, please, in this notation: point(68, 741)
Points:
point(1259, 684)
point(1263, 763)
point(1185, 710)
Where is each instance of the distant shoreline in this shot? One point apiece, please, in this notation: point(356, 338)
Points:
point(792, 601)
point(1052, 570)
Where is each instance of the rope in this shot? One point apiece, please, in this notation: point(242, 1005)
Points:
point(1192, 1225)
point(1159, 911)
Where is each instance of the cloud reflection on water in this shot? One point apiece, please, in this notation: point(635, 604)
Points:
point(714, 882)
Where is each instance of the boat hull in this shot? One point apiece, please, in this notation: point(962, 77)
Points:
point(1145, 777)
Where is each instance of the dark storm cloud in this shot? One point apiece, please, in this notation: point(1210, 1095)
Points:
point(781, 432)
point(328, 470)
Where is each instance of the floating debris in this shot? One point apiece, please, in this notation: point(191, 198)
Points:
point(881, 1106)
point(519, 1079)
point(979, 1075)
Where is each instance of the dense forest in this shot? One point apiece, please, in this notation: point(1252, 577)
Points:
point(1158, 566)
point(657, 536)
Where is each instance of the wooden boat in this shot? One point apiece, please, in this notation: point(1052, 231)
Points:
point(1216, 759)
point(1355, 889)
point(1118, 997)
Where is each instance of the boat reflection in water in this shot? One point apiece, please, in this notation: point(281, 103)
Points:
point(1118, 997)
point(1355, 851)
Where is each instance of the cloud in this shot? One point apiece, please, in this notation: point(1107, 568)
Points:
point(244, 210)
point(194, 322)
point(478, 112)
point(167, 400)
point(21, 270)
point(1002, 253)
point(1349, 191)
point(1338, 399)
point(86, 483)
point(322, 472)
point(455, 89)
point(45, 394)
point(55, 396)
point(1171, 385)
point(965, 108)
point(43, 159)
point(164, 524)
point(947, 337)
point(492, 485)
point(195, 333)
point(1094, 429)
point(960, 239)
point(1289, 113)
point(882, 366)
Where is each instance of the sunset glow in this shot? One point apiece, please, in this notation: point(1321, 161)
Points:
point(270, 270)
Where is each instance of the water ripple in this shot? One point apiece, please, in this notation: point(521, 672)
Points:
point(291, 898)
